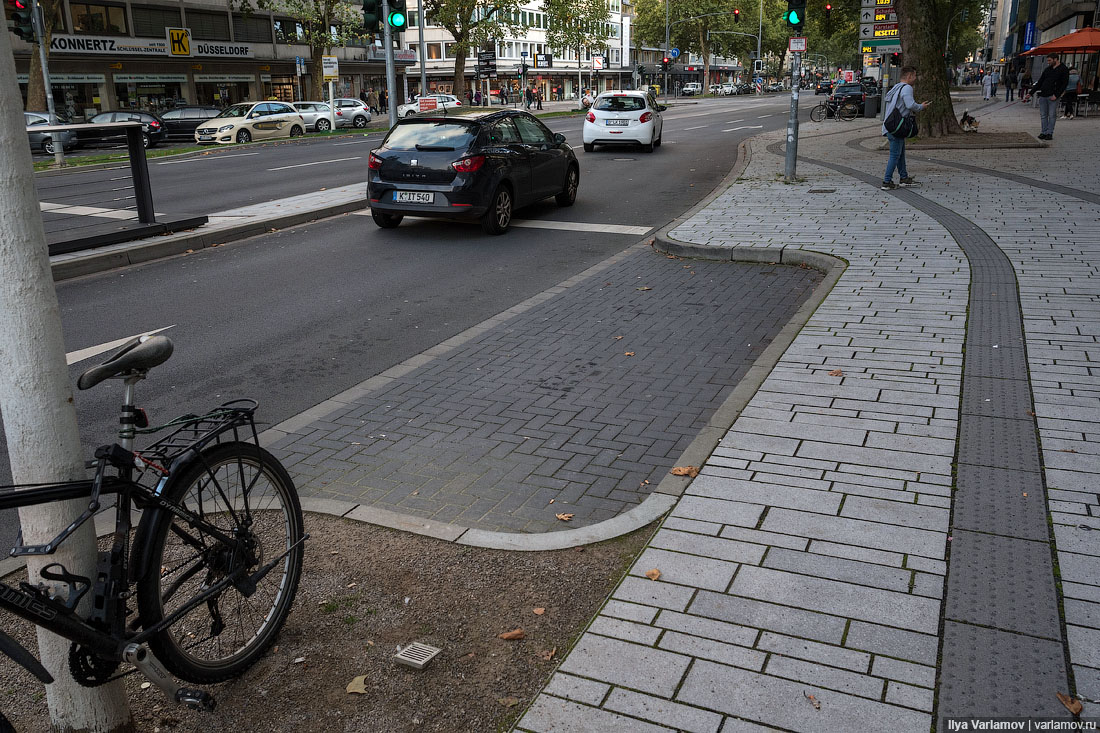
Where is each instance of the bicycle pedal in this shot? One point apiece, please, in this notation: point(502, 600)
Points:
point(200, 700)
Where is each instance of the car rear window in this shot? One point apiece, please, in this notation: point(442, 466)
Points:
point(620, 104)
point(851, 88)
point(431, 133)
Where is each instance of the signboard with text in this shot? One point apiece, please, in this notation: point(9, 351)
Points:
point(796, 44)
point(330, 68)
point(61, 43)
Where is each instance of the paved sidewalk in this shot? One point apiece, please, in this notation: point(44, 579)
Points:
point(901, 524)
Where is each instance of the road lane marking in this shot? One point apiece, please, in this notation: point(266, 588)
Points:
point(355, 142)
point(207, 157)
point(572, 226)
point(762, 117)
point(697, 127)
point(74, 356)
point(733, 122)
point(316, 162)
point(743, 127)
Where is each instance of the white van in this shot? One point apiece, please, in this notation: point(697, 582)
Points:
point(692, 87)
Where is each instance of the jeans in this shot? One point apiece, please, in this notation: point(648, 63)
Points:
point(1009, 94)
point(1048, 112)
point(896, 160)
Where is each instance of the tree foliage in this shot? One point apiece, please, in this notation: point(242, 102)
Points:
point(577, 25)
point(473, 24)
point(322, 25)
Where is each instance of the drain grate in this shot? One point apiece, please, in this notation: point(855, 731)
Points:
point(822, 190)
point(416, 655)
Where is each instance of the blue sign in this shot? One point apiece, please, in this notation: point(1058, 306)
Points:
point(1029, 36)
point(674, 53)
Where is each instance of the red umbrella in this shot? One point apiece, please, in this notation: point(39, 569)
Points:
point(1086, 40)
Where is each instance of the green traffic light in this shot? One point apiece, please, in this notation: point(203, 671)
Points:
point(792, 18)
point(397, 20)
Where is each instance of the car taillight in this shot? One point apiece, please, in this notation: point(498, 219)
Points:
point(457, 104)
point(865, 97)
point(646, 117)
point(154, 123)
point(590, 117)
point(339, 113)
point(469, 165)
point(374, 162)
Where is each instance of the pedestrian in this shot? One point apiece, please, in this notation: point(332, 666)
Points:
point(1069, 99)
point(987, 86)
point(477, 98)
point(528, 97)
point(538, 98)
point(372, 101)
point(1025, 85)
point(996, 77)
point(901, 99)
point(384, 101)
point(1052, 82)
point(1010, 86)
point(363, 96)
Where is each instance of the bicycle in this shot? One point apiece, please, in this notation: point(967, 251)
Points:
point(213, 565)
point(834, 110)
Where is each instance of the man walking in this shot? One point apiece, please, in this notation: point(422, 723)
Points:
point(996, 78)
point(901, 99)
point(1052, 83)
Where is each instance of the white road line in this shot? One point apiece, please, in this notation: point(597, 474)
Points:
point(762, 117)
point(353, 142)
point(316, 162)
point(573, 226)
point(744, 127)
point(697, 127)
point(206, 157)
point(74, 356)
point(734, 122)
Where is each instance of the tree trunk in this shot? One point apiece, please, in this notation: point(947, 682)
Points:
point(317, 73)
point(39, 417)
point(706, 59)
point(460, 71)
point(36, 89)
point(922, 47)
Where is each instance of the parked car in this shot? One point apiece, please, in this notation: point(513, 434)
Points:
point(315, 114)
point(824, 86)
point(850, 93)
point(714, 89)
point(45, 141)
point(248, 121)
point(691, 89)
point(482, 166)
point(152, 129)
point(870, 85)
point(351, 113)
point(623, 117)
point(442, 101)
point(180, 123)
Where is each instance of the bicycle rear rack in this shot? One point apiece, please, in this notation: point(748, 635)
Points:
point(194, 432)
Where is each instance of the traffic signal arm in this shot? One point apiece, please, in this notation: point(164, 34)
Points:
point(372, 16)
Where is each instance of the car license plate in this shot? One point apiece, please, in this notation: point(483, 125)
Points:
point(206, 137)
point(617, 123)
point(413, 197)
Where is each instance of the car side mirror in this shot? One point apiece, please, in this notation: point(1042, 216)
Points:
point(559, 138)
point(254, 115)
point(661, 108)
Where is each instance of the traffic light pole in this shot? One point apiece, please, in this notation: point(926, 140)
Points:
point(40, 33)
point(391, 72)
point(792, 120)
point(422, 44)
point(664, 84)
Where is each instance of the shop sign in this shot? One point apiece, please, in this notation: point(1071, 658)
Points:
point(224, 77)
point(265, 78)
point(544, 61)
point(399, 54)
point(150, 78)
point(223, 50)
point(179, 41)
point(68, 78)
point(117, 46)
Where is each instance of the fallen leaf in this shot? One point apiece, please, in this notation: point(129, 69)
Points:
point(645, 288)
point(538, 611)
point(1025, 494)
point(1072, 704)
point(692, 471)
point(1029, 412)
point(618, 338)
point(551, 501)
point(628, 353)
point(145, 685)
point(508, 702)
point(299, 660)
point(358, 685)
point(548, 654)
point(351, 585)
point(1066, 450)
point(191, 251)
point(813, 701)
point(653, 574)
point(564, 517)
point(836, 373)
point(513, 635)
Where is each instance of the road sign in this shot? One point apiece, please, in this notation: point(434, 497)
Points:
point(330, 68)
point(597, 63)
point(796, 44)
point(879, 31)
point(880, 47)
point(674, 53)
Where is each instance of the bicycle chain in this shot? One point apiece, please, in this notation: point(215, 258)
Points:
point(90, 669)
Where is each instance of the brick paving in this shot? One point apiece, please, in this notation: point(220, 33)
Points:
point(814, 553)
point(547, 412)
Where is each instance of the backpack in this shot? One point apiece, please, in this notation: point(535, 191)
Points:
point(897, 124)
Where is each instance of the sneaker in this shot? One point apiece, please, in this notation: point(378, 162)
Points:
point(908, 181)
point(1045, 137)
point(888, 186)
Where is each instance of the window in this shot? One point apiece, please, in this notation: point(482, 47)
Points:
point(288, 30)
point(208, 26)
point(251, 29)
point(151, 22)
point(99, 19)
point(413, 19)
point(449, 50)
point(435, 51)
point(503, 132)
point(531, 131)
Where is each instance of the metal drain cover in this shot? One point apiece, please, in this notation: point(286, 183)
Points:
point(416, 655)
point(822, 190)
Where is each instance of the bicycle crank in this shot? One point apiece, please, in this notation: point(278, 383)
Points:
point(139, 656)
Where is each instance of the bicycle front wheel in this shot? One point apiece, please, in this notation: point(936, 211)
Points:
point(848, 112)
point(817, 114)
point(248, 496)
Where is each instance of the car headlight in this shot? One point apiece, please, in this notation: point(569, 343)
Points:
point(225, 128)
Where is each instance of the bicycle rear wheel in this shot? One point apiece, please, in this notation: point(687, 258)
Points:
point(244, 492)
point(817, 114)
point(848, 112)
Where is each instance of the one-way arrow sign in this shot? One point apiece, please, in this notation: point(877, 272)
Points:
point(868, 16)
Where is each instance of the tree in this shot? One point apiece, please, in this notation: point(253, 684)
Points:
point(36, 89)
point(473, 24)
point(39, 417)
point(322, 25)
point(576, 25)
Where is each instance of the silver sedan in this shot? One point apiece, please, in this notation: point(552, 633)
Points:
point(317, 115)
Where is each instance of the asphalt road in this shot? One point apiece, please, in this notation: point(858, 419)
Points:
point(294, 317)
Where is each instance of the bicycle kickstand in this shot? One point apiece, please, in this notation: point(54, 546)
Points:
point(139, 656)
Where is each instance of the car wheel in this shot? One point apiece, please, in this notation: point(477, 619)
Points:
point(360, 121)
point(410, 113)
point(499, 215)
point(657, 142)
point(589, 147)
point(323, 125)
point(48, 147)
point(146, 142)
point(296, 131)
point(386, 221)
point(569, 193)
point(244, 136)
point(647, 147)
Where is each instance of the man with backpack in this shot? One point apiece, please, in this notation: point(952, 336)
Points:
point(899, 99)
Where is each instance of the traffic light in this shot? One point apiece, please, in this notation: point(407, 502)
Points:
point(895, 59)
point(796, 14)
point(828, 11)
point(965, 14)
point(641, 70)
point(736, 15)
point(665, 63)
point(372, 16)
point(523, 69)
point(398, 17)
point(20, 21)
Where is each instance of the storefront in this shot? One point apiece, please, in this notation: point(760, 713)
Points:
point(221, 90)
point(76, 96)
point(150, 92)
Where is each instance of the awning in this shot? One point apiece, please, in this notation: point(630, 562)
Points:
point(1085, 40)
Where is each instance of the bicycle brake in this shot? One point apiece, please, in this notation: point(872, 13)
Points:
point(140, 656)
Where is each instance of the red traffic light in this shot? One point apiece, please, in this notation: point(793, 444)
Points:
point(736, 15)
point(665, 60)
point(828, 6)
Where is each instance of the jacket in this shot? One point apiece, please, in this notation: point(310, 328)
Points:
point(900, 97)
point(1052, 82)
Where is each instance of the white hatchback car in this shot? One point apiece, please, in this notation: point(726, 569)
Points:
point(619, 117)
point(442, 101)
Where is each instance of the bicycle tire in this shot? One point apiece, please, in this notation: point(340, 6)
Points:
point(848, 112)
point(194, 648)
point(817, 114)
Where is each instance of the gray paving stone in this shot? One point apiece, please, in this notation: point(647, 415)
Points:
point(707, 628)
point(651, 593)
point(811, 650)
point(717, 510)
point(857, 532)
point(554, 715)
point(577, 688)
point(700, 648)
point(689, 570)
point(765, 538)
point(894, 512)
point(900, 643)
point(674, 715)
point(630, 665)
point(894, 669)
point(1084, 645)
point(840, 599)
point(794, 621)
point(822, 676)
point(730, 550)
point(625, 630)
point(692, 525)
point(629, 611)
point(767, 494)
point(882, 457)
point(909, 696)
point(849, 571)
point(769, 700)
point(862, 554)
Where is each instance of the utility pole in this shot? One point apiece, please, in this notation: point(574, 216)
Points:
point(664, 86)
point(421, 24)
point(39, 21)
point(391, 72)
point(39, 417)
point(792, 121)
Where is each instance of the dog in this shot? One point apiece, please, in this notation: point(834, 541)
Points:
point(969, 124)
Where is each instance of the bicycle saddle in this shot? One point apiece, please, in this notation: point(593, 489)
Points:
point(138, 355)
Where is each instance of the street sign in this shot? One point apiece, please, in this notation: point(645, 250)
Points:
point(330, 68)
point(881, 31)
point(487, 65)
point(544, 60)
point(796, 44)
point(880, 47)
point(674, 53)
point(597, 63)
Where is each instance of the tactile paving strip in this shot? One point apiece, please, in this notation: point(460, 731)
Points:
point(1001, 501)
point(991, 322)
point(989, 360)
point(1009, 398)
point(998, 442)
point(1003, 582)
